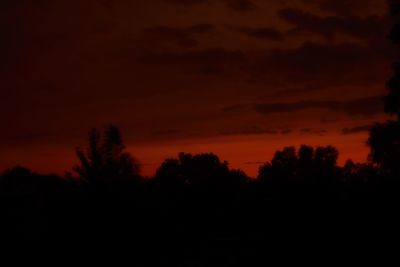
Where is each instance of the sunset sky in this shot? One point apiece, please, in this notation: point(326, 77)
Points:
point(240, 78)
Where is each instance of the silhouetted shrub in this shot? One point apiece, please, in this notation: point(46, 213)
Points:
point(384, 141)
point(199, 171)
point(313, 168)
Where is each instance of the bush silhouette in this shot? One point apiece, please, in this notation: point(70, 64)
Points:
point(199, 171)
point(384, 141)
point(307, 166)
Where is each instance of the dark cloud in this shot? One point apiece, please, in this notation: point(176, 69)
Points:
point(308, 67)
point(363, 106)
point(207, 61)
point(306, 130)
point(238, 5)
point(27, 137)
point(231, 108)
point(358, 129)
point(263, 33)
point(328, 120)
point(325, 64)
point(182, 36)
point(358, 27)
point(201, 28)
point(346, 7)
point(286, 131)
point(311, 66)
point(167, 132)
point(255, 130)
point(312, 131)
point(186, 2)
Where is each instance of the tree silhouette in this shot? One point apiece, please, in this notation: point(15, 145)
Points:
point(326, 163)
point(358, 177)
point(282, 168)
point(385, 137)
point(200, 171)
point(384, 141)
point(392, 100)
point(305, 163)
point(104, 160)
point(18, 180)
point(307, 166)
point(169, 175)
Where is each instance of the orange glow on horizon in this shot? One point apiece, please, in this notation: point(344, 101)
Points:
point(247, 153)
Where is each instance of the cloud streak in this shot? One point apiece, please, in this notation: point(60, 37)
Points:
point(207, 61)
point(355, 130)
point(251, 131)
point(346, 7)
point(329, 27)
point(181, 36)
point(363, 106)
point(263, 33)
point(237, 5)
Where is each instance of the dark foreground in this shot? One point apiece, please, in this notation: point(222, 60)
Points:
point(152, 225)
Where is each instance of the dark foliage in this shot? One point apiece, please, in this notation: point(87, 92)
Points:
point(104, 161)
point(204, 171)
point(196, 211)
point(384, 141)
point(314, 170)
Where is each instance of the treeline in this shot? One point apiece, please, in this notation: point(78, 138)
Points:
point(195, 198)
point(104, 163)
point(106, 166)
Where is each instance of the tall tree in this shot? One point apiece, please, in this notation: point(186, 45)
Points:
point(392, 100)
point(384, 139)
point(105, 159)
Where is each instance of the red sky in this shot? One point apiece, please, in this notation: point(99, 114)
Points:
point(240, 78)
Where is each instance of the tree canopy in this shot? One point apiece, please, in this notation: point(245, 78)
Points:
point(105, 159)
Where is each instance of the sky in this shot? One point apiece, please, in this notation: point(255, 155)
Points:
point(240, 78)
